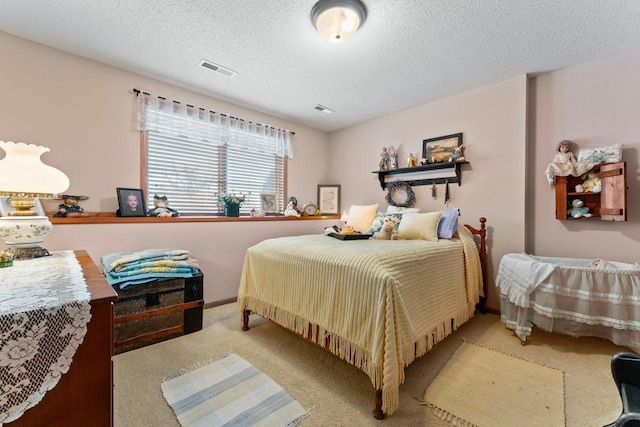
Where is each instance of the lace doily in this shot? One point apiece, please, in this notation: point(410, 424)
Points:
point(44, 312)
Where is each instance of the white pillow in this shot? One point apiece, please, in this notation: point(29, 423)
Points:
point(361, 217)
point(606, 154)
point(419, 226)
point(397, 209)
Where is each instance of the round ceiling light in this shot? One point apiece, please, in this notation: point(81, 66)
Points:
point(337, 20)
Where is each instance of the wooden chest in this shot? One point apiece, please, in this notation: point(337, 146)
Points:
point(156, 311)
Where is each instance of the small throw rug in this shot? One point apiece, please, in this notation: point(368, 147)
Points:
point(483, 387)
point(231, 392)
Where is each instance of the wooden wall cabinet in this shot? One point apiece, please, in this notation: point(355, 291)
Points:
point(610, 204)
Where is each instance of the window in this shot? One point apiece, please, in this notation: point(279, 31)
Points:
point(191, 156)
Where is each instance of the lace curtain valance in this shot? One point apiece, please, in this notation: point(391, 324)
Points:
point(177, 119)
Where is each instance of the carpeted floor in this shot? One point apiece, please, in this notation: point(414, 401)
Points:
point(338, 394)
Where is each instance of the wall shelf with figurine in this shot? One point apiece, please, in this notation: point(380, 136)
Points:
point(438, 173)
point(609, 204)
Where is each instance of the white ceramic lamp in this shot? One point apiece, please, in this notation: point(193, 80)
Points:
point(23, 178)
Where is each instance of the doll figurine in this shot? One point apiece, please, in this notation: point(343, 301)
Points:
point(384, 159)
point(393, 158)
point(564, 163)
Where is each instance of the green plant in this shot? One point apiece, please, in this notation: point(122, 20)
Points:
point(227, 198)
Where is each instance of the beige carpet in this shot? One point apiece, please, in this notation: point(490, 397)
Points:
point(337, 394)
point(486, 388)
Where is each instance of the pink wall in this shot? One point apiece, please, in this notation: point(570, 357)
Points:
point(493, 122)
point(85, 112)
point(593, 104)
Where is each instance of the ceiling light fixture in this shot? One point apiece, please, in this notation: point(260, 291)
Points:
point(337, 20)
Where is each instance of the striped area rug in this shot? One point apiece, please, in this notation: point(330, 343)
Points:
point(231, 392)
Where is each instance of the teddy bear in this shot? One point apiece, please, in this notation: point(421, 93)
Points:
point(70, 208)
point(592, 182)
point(161, 207)
point(388, 231)
point(579, 210)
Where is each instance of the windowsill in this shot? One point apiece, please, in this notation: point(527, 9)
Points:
point(111, 218)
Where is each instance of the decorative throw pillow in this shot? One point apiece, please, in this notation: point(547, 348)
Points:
point(419, 226)
point(448, 223)
point(361, 217)
point(606, 154)
point(397, 209)
point(376, 225)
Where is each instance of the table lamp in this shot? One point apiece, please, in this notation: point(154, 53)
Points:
point(23, 178)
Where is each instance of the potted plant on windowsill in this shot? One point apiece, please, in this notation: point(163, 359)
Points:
point(232, 202)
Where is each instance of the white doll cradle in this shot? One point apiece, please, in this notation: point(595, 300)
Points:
point(578, 297)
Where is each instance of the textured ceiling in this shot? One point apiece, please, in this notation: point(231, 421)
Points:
point(407, 52)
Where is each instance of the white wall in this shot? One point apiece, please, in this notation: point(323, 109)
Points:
point(493, 122)
point(593, 104)
point(85, 112)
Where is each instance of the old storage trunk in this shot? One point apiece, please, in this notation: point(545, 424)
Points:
point(157, 311)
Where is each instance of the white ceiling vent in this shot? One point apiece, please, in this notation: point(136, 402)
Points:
point(324, 109)
point(217, 68)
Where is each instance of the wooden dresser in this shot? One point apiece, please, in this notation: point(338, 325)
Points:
point(84, 395)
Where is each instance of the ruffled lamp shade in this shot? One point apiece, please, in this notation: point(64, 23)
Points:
point(23, 177)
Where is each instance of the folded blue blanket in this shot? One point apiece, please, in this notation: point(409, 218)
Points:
point(126, 269)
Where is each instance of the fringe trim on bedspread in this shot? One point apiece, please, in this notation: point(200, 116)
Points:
point(353, 354)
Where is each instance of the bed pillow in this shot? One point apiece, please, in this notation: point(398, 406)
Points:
point(419, 226)
point(606, 154)
point(376, 225)
point(361, 217)
point(397, 209)
point(448, 223)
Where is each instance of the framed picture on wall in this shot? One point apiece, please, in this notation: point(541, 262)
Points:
point(441, 149)
point(5, 206)
point(131, 202)
point(329, 199)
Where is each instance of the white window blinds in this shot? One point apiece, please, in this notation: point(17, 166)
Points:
point(193, 155)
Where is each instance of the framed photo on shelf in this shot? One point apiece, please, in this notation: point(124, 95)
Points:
point(5, 207)
point(268, 202)
point(441, 149)
point(131, 202)
point(329, 199)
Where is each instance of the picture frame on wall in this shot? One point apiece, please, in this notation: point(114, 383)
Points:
point(131, 202)
point(5, 206)
point(329, 199)
point(267, 202)
point(441, 149)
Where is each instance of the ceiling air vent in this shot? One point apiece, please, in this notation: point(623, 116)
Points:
point(217, 68)
point(324, 109)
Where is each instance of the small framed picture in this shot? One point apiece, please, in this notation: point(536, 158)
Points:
point(5, 207)
point(329, 199)
point(441, 149)
point(131, 202)
point(268, 202)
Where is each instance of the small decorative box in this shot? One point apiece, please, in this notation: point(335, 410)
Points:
point(6, 260)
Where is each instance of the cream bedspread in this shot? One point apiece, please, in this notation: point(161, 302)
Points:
point(381, 303)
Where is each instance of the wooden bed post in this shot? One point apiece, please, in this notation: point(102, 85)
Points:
point(378, 414)
point(482, 232)
point(245, 320)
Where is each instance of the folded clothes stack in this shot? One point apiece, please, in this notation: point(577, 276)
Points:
point(125, 269)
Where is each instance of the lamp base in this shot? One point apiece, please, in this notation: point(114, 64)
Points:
point(28, 253)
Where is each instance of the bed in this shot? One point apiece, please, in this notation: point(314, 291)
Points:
point(377, 304)
point(573, 296)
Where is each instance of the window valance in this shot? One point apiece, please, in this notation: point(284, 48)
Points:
point(178, 119)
